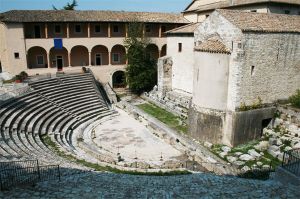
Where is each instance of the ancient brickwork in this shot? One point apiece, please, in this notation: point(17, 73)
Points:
point(271, 67)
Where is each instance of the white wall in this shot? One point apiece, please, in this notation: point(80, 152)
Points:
point(182, 69)
point(217, 26)
point(13, 42)
point(210, 80)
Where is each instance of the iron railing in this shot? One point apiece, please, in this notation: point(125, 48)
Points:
point(291, 161)
point(26, 173)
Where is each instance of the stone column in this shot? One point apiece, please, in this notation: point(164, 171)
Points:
point(46, 30)
point(126, 30)
point(89, 30)
point(109, 58)
point(48, 60)
point(90, 58)
point(69, 59)
point(108, 30)
point(159, 31)
point(68, 31)
point(144, 30)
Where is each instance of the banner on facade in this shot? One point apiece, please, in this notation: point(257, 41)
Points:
point(58, 44)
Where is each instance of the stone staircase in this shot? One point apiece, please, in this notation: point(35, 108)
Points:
point(55, 107)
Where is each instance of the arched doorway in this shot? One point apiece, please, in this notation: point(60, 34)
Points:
point(37, 57)
point(163, 50)
point(99, 56)
point(152, 51)
point(118, 55)
point(79, 56)
point(59, 58)
point(119, 79)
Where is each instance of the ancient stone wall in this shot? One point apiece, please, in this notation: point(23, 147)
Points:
point(271, 67)
point(164, 72)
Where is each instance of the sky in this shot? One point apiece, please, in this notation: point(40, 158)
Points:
point(126, 5)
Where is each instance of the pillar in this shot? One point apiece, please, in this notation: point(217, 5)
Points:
point(159, 31)
point(109, 58)
point(126, 30)
point(90, 58)
point(159, 53)
point(108, 29)
point(69, 59)
point(68, 31)
point(144, 30)
point(46, 30)
point(48, 60)
point(89, 30)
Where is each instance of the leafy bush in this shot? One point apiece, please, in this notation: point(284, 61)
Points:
point(23, 75)
point(295, 99)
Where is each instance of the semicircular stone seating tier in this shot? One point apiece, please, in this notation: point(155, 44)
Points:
point(55, 107)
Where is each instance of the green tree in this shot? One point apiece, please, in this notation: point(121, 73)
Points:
point(68, 6)
point(141, 71)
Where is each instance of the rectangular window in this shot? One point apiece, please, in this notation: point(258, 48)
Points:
point(37, 31)
point(116, 57)
point(17, 55)
point(253, 10)
point(287, 12)
point(97, 28)
point(116, 28)
point(77, 28)
point(148, 28)
point(179, 47)
point(40, 60)
point(57, 29)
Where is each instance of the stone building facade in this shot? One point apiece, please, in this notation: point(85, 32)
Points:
point(242, 59)
point(199, 10)
point(89, 38)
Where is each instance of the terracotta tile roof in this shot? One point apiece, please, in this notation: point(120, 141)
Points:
point(262, 22)
point(212, 46)
point(89, 16)
point(233, 3)
point(187, 29)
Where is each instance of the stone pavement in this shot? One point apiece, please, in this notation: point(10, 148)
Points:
point(114, 186)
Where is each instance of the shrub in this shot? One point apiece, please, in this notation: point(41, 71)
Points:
point(23, 75)
point(295, 99)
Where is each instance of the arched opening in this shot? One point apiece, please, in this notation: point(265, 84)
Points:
point(118, 53)
point(37, 57)
point(163, 50)
point(99, 56)
point(0, 67)
point(59, 58)
point(119, 79)
point(152, 51)
point(79, 56)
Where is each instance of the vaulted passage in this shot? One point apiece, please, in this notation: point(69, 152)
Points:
point(37, 57)
point(79, 56)
point(119, 79)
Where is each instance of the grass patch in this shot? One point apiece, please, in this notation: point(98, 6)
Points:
point(47, 140)
point(173, 121)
